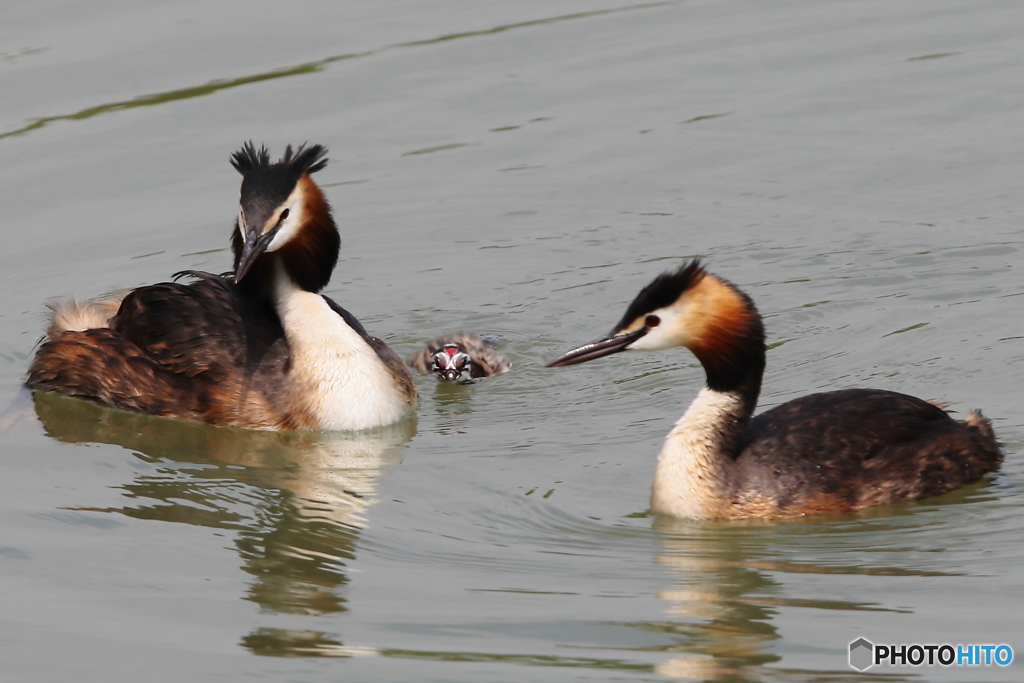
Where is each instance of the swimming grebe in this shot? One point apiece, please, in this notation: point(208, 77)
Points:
point(833, 452)
point(260, 349)
point(461, 357)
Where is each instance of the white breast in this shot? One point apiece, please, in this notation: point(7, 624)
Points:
point(694, 478)
point(334, 374)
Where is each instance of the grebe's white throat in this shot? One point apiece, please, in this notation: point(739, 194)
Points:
point(696, 474)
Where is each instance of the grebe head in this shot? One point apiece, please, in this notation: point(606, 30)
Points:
point(693, 308)
point(461, 357)
point(452, 364)
point(282, 211)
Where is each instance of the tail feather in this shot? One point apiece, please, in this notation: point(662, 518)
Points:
point(983, 425)
point(71, 315)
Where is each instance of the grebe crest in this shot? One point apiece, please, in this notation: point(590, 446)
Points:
point(831, 452)
point(462, 357)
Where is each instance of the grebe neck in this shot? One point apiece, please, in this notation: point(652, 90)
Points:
point(335, 376)
point(696, 474)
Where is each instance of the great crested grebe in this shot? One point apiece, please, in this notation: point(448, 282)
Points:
point(259, 349)
point(833, 452)
point(461, 357)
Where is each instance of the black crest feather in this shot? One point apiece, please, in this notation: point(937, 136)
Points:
point(297, 161)
point(248, 158)
point(663, 291)
point(305, 159)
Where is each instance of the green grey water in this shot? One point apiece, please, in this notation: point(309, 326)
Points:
point(520, 169)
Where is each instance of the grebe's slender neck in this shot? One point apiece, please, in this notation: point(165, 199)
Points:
point(334, 373)
point(696, 473)
point(726, 334)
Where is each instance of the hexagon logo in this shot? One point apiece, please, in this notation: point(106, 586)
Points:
point(862, 654)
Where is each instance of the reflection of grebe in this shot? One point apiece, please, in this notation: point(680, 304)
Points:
point(835, 452)
point(296, 501)
point(461, 357)
point(261, 349)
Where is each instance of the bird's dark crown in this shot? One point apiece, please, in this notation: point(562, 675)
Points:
point(662, 292)
point(269, 183)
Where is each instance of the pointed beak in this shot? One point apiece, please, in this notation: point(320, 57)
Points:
point(254, 246)
point(605, 346)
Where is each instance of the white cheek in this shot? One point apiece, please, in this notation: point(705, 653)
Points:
point(655, 340)
point(287, 231)
point(669, 333)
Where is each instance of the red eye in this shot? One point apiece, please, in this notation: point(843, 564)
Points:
point(652, 321)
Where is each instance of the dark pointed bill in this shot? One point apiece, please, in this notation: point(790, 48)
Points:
point(255, 245)
point(598, 348)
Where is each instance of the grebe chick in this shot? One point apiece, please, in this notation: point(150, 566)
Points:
point(833, 452)
point(461, 357)
point(259, 349)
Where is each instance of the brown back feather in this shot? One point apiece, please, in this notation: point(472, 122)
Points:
point(859, 447)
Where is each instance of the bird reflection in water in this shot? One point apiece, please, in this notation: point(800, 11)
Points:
point(727, 637)
point(452, 404)
point(296, 500)
point(725, 595)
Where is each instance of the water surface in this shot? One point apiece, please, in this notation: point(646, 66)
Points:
point(520, 169)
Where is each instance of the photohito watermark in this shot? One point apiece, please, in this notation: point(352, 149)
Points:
point(864, 654)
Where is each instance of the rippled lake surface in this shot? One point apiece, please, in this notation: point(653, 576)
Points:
point(521, 169)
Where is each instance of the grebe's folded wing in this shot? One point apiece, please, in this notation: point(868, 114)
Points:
point(868, 440)
point(853, 422)
point(198, 327)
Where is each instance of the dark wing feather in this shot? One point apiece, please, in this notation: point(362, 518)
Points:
point(201, 327)
point(349, 319)
point(103, 367)
point(197, 351)
point(862, 447)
